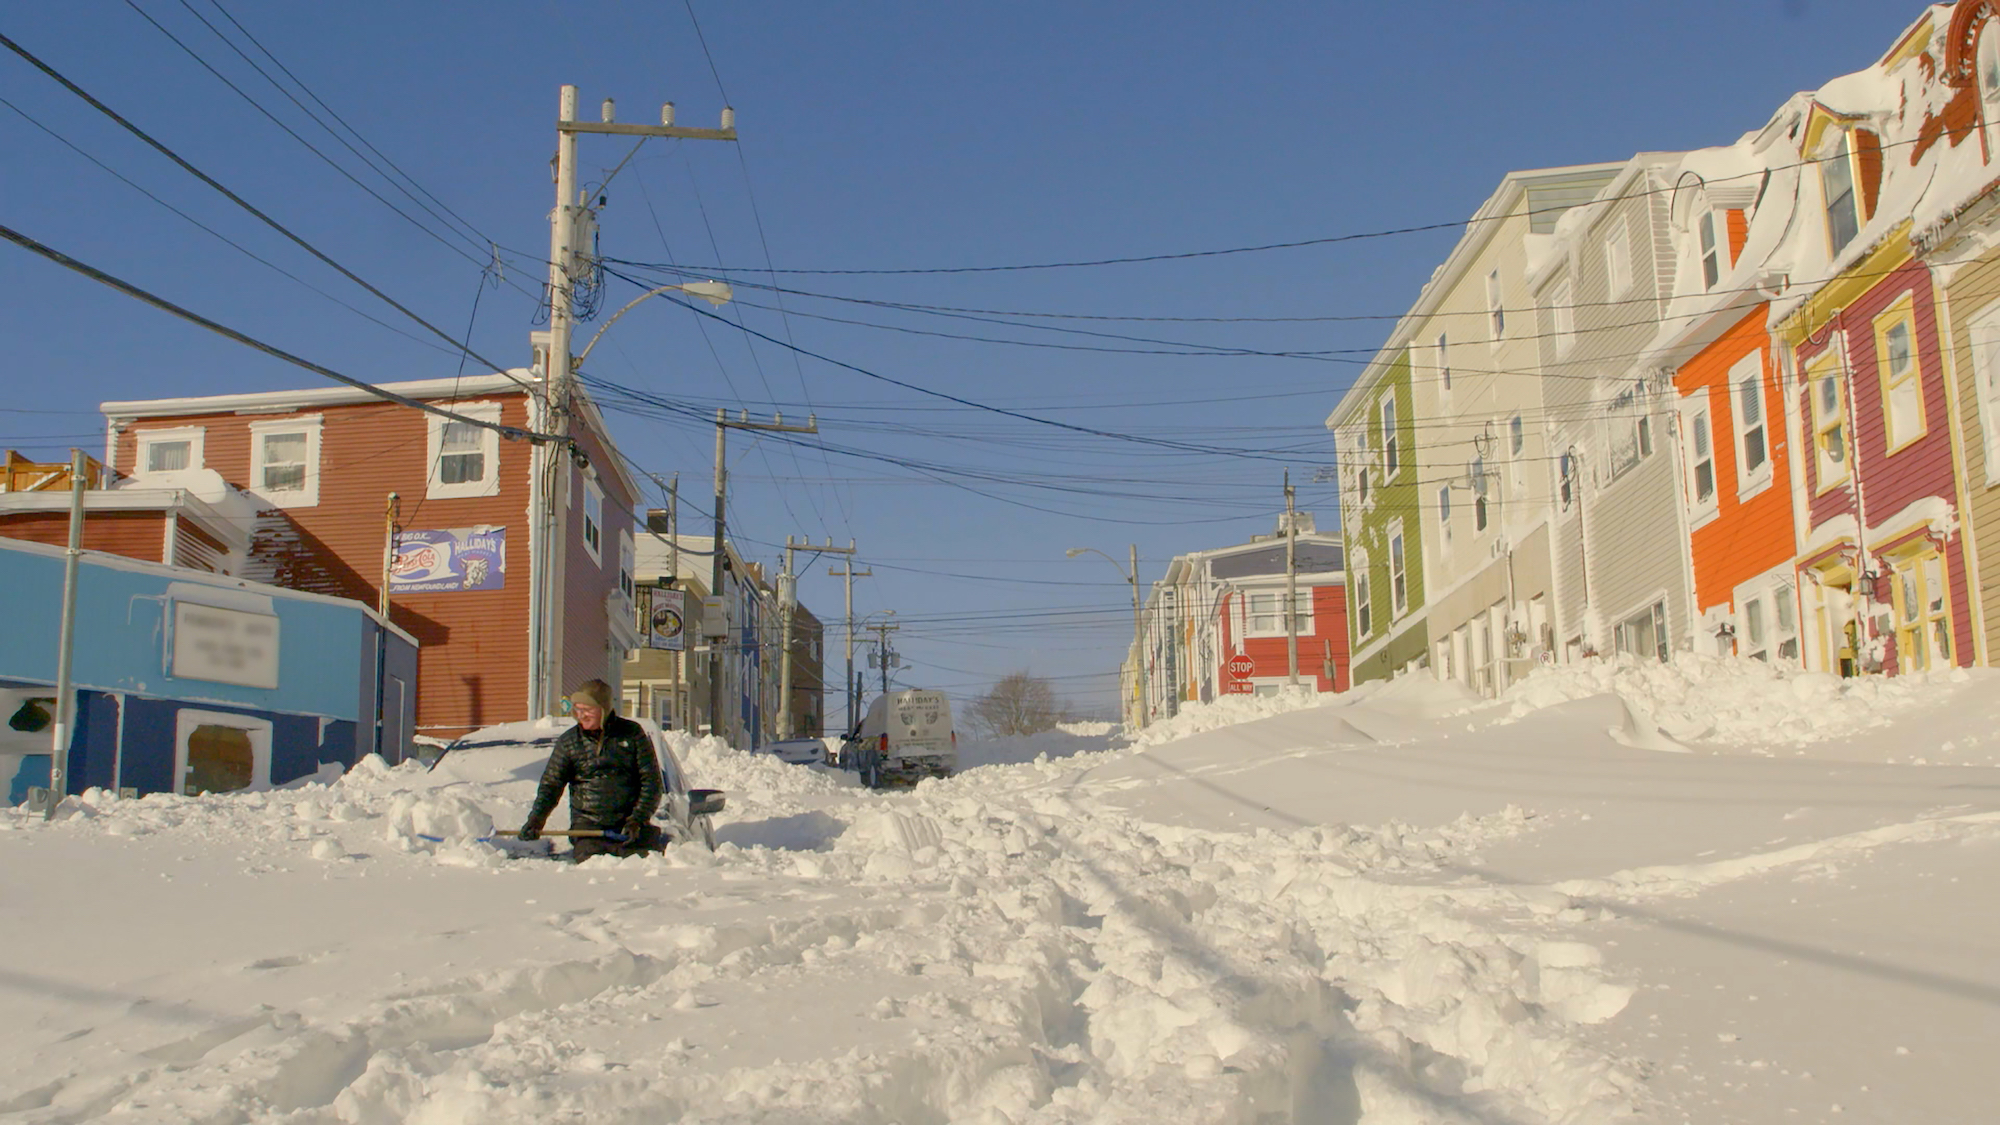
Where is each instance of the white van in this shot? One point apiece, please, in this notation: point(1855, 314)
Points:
point(905, 737)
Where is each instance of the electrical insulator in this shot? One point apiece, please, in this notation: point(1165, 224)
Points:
point(608, 115)
point(728, 117)
point(666, 113)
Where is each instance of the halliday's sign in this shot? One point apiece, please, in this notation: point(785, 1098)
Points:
point(664, 618)
point(449, 560)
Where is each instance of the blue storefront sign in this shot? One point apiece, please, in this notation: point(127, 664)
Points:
point(449, 560)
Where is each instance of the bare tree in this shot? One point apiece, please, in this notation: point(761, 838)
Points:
point(1020, 703)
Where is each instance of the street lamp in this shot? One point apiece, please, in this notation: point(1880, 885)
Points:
point(717, 293)
point(1138, 634)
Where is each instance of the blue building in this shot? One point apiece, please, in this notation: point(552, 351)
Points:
point(189, 682)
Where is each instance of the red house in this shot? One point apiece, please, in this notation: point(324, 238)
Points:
point(347, 489)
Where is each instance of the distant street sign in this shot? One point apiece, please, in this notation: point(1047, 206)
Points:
point(1241, 667)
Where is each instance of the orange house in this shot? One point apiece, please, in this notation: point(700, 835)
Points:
point(1736, 490)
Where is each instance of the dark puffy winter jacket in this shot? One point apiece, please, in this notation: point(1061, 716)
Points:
point(613, 776)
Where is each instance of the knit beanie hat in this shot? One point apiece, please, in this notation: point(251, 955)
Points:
point(592, 693)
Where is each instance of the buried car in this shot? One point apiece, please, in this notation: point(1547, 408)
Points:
point(800, 751)
point(685, 813)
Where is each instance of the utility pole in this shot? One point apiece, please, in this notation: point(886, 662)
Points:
point(723, 424)
point(1291, 585)
point(568, 263)
point(882, 654)
point(66, 645)
point(788, 599)
point(848, 684)
point(390, 533)
point(1139, 639)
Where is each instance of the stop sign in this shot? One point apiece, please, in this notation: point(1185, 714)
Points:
point(1241, 667)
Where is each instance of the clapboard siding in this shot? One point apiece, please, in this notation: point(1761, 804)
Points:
point(135, 535)
point(1748, 536)
point(1972, 295)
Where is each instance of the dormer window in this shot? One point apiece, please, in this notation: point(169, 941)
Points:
point(1843, 203)
point(1989, 68)
point(1712, 246)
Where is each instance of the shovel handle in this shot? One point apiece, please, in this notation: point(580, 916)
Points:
point(573, 833)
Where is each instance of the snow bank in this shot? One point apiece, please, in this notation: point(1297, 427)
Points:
point(1067, 740)
point(1227, 711)
point(1730, 699)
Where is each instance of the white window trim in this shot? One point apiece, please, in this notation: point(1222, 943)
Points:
point(143, 440)
point(593, 515)
point(1441, 353)
point(1692, 406)
point(307, 495)
point(1718, 223)
point(1770, 587)
point(1399, 600)
point(1496, 309)
point(1444, 519)
point(489, 450)
point(1829, 365)
point(1562, 313)
point(1392, 446)
point(1364, 602)
point(1902, 311)
point(1750, 370)
point(1618, 267)
point(1250, 615)
point(1985, 327)
point(627, 559)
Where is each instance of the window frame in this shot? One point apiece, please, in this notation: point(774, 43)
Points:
point(1827, 367)
point(1747, 375)
point(307, 494)
point(1273, 617)
point(1444, 515)
point(144, 440)
point(1711, 246)
point(627, 563)
point(1562, 314)
point(1982, 336)
point(1618, 267)
point(1482, 508)
point(590, 529)
point(1901, 314)
point(1364, 608)
point(1627, 411)
point(1697, 426)
point(1385, 417)
point(1841, 158)
point(1443, 361)
point(1399, 574)
point(1496, 312)
point(488, 484)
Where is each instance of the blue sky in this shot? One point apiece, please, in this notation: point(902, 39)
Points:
point(876, 137)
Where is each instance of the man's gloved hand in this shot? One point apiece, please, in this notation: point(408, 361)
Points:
point(530, 832)
point(634, 830)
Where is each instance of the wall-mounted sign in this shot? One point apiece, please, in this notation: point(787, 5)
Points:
point(449, 560)
point(228, 646)
point(663, 618)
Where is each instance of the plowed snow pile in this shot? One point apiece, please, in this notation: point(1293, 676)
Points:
point(1018, 946)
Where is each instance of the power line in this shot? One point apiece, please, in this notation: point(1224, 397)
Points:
point(161, 303)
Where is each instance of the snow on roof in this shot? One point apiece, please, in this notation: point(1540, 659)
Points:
point(517, 380)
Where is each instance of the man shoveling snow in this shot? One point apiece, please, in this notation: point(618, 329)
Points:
point(607, 763)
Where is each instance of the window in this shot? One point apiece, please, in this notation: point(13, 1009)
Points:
point(1444, 513)
point(1984, 337)
point(1644, 634)
point(593, 520)
point(284, 461)
point(1923, 616)
point(464, 458)
point(1361, 482)
point(1902, 389)
point(1712, 244)
point(1363, 609)
point(1700, 455)
point(169, 451)
point(1495, 315)
point(1267, 613)
point(1517, 444)
point(1389, 435)
point(1618, 260)
point(1399, 588)
point(625, 554)
point(1631, 431)
point(1475, 475)
point(218, 752)
point(1829, 417)
point(1843, 209)
point(1753, 456)
point(1444, 361)
point(1566, 482)
point(1562, 310)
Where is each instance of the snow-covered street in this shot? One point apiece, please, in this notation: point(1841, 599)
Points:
point(1688, 893)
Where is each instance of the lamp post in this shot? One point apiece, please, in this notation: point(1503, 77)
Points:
point(1138, 635)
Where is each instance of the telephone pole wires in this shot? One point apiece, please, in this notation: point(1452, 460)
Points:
point(847, 686)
